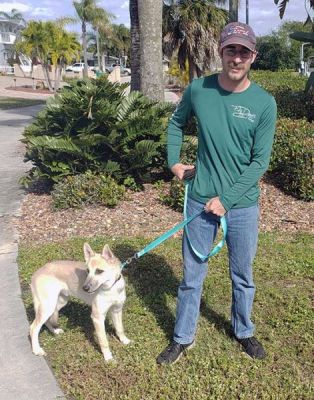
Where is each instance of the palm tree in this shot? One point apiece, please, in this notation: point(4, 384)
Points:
point(123, 39)
point(103, 29)
point(150, 19)
point(282, 4)
point(64, 47)
point(146, 48)
point(135, 46)
point(233, 10)
point(192, 31)
point(48, 42)
point(15, 15)
point(89, 13)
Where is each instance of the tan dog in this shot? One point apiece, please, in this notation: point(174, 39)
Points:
point(98, 282)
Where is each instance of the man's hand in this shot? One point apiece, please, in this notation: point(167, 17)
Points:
point(215, 207)
point(179, 169)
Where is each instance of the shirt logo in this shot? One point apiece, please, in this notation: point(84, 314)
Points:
point(242, 112)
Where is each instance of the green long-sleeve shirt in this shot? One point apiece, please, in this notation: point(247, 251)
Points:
point(235, 136)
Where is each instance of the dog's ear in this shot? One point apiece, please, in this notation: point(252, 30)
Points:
point(107, 253)
point(88, 252)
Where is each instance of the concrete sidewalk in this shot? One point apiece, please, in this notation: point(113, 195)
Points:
point(23, 376)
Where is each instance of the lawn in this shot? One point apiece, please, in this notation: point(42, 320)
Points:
point(215, 368)
point(10, 102)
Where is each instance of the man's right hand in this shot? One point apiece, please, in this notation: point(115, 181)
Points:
point(179, 169)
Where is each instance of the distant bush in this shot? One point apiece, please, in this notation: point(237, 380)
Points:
point(273, 80)
point(76, 191)
point(292, 157)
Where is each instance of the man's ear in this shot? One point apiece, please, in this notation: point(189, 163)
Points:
point(254, 56)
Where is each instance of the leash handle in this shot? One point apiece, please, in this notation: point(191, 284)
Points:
point(219, 245)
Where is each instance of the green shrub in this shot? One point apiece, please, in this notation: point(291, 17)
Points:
point(189, 150)
point(92, 125)
point(292, 157)
point(288, 89)
point(76, 191)
point(173, 195)
point(275, 80)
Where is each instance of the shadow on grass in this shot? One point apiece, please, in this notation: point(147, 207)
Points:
point(154, 280)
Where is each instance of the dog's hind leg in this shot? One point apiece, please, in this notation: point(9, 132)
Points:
point(43, 309)
point(116, 316)
point(52, 322)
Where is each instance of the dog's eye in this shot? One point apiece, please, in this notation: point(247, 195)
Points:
point(98, 271)
point(87, 271)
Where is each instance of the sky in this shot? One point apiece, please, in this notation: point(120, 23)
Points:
point(263, 14)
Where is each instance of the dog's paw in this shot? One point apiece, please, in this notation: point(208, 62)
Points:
point(125, 340)
point(39, 352)
point(58, 331)
point(108, 356)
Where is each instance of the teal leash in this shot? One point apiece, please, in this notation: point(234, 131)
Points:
point(219, 245)
point(176, 228)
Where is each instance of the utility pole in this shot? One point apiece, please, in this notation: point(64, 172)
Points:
point(302, 62)
point(247, 12)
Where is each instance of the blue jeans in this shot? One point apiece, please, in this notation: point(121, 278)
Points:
point(242, 243)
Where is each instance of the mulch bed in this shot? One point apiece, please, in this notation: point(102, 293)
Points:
point(142, 214)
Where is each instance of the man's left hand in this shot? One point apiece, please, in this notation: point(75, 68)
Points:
point(215, 207)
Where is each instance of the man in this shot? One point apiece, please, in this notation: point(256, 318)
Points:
point(236, 123)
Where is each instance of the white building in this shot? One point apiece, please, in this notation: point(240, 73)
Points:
point(9, 31)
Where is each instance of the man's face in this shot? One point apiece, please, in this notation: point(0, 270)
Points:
point(236, 61)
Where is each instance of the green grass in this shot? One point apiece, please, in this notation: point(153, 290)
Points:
point(215, 368)
point(9, 102)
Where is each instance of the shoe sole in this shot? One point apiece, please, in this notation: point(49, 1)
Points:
point(180, 355)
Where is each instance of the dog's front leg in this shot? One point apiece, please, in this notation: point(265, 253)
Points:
point(116, 316)
point(99, 324)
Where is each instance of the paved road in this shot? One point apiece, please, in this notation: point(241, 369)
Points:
point(23, 376)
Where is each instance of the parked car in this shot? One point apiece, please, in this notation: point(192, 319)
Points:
point(123, 70)
point(78, 67)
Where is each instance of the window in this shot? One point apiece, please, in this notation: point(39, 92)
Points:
point(5, 37)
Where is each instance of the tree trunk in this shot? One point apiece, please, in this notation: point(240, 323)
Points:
point(98, 51)
point(192, 70)
point(150, 20)
point(84, 45)
point(233, 10)
point(45, 68)
point(135, 47)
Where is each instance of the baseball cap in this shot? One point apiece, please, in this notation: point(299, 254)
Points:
point(238, 33)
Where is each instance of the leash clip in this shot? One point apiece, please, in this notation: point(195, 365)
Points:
point(130, 259)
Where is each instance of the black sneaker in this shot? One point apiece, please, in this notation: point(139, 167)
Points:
point(252, 347)
point(173, 353)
